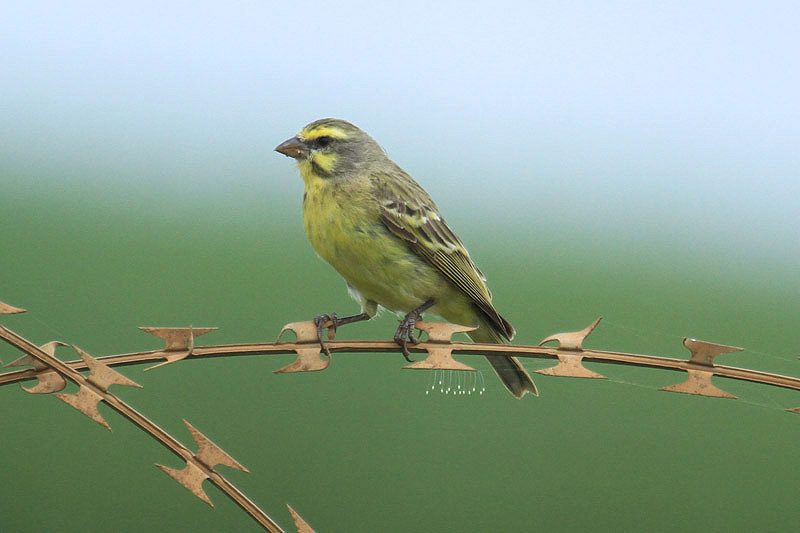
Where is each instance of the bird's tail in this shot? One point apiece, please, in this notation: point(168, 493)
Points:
point(510, 371)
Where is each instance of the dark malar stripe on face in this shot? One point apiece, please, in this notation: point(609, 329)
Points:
point(318, 170)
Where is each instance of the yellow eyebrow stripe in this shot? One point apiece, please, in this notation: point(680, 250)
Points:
point(322, 131)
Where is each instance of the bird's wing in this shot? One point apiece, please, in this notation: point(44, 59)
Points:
point(409, 213)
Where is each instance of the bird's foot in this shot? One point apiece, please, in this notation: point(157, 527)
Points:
point(335, 321)
point(320, 321)
point(405, 331)
point(405, 334)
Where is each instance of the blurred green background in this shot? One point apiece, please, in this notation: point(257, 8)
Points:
point(634, 162)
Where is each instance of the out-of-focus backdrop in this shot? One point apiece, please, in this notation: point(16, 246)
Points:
point(634, 161)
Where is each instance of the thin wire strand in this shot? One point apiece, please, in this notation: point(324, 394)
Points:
point(772, 405)
point(647, 334)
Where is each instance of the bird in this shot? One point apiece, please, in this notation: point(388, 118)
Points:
point(386, 237)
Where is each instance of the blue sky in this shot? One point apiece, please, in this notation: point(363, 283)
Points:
point(680, 118)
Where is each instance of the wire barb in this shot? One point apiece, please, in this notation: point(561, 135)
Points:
point(301, 525)
point(570, 363)
point(6, 309)
point(179, 342)
point(700, 368)
point(209, 455)
point(86, 401)
point(101, 376)
point(439, 346)
point(309, 352)
point(49, 380)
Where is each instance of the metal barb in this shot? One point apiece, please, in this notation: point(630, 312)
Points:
point(191, 477)
point(85, 401)
point(439, 347)
point(571, 364)
point(301, 525)
point(209, 455)
point(6, 309)
point(179, 342)
point(49, 380)
point(572, 340)
point(29, 360)
point(700, 368)
point(102, 377)
point(703, 353)
point(309, 355)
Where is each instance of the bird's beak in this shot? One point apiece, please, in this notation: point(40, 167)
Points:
point(293, 147)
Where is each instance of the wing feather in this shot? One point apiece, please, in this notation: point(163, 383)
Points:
point(410, 213)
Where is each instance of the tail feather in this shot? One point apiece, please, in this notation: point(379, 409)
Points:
point(509, 370)
point(513, 376)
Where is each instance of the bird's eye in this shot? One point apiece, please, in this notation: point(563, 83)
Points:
point(324, 141)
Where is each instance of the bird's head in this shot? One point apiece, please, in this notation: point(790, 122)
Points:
point(330, 148)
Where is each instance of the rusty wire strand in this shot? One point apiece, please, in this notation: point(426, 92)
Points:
point(464, 348)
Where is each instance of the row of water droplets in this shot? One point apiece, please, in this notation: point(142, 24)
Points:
point(457, 383)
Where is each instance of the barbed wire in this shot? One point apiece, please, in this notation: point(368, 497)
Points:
point(311, 355)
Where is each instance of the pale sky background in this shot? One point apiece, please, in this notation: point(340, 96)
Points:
point(670, 120)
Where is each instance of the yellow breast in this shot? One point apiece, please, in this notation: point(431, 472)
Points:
point(342, 223)
point(334, 216)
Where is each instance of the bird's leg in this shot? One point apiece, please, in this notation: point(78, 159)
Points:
point(405, 331)
point(320, 321)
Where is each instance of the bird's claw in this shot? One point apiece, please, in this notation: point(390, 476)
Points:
point(320, 321)
point(405, 334)
point(405, 331)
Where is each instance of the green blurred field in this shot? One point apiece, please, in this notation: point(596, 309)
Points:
point(361, 446)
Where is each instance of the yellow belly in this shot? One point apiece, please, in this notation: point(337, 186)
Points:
point(345, 230)
point(378, 264)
